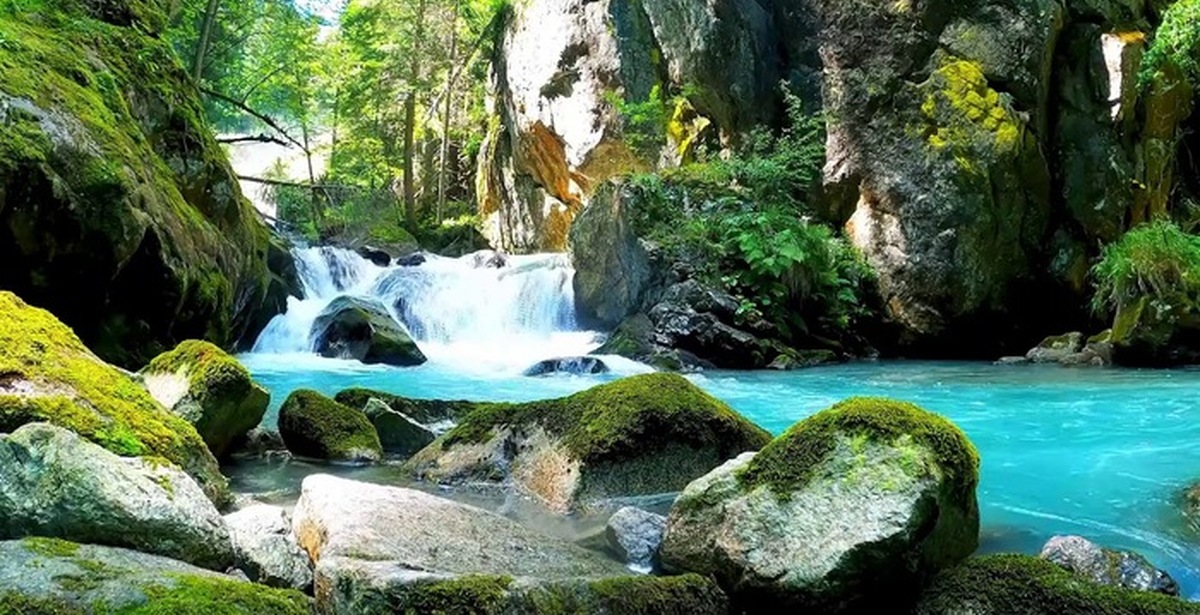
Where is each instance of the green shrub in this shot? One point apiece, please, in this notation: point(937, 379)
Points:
point(1176, 42)
point(644, 122)
point(1158, 261)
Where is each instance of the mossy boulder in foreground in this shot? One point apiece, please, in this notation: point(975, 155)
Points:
point(863, 501)
point(48, 375)
point(643, 435)
point(210, 389)
point(362, 329)
point(43, 576)
point(118, 210)
point(1024, 585)
point(313, 425)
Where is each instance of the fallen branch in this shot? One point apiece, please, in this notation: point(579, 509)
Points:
point(262, 138)
point(263, 118)
point(286, 184)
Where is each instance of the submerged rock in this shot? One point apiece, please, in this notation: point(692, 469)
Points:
point(315, 426)
point(398, 433)
point(47, 375)
point(266, 550)
point(49, 576)
point(866, 499)
point(339, 518)
point(1025, 585)
point(568, 365)
point(416, 259)
point(487, 259)
point(1108, 567)
point(209, 389)
point(362, 329)
point(643, 435)
point(636, 535)
point(55, 483)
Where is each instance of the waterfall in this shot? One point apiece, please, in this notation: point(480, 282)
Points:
point(481, 311)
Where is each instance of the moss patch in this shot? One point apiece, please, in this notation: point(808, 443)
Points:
point(13, 603)
point(789, 462)
point(50, 547)
point(1024, 585)
point(215, 596)
point(313, 425)
point(46, 374)
point(622, 419)
point(631, 595)
point(467, 594)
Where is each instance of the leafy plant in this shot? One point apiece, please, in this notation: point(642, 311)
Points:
point(1158, 261)
point(644, 121)
point(1177, 43)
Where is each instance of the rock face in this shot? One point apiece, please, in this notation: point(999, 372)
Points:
point(58, 484)
point(49, 376)
point(636, 535)
point(863, 500)
point(362, 329)
point(338, 518)
point(45, 575)
point(568, 365)
point(643, 435)
point(313, 425)
point(399, 434)
point(210, 390)
point(1108, 567)
point(1024, 585)
point(566, 70)
point(612, 269)
point(118, 210)
point(266, 550)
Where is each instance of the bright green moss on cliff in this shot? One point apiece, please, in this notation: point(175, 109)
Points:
point(46, 374)
point(1024, 585)
point(623, 419)
point(313, 425)
point(968, 118)
point(789, 462)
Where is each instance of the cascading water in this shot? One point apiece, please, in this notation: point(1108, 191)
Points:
point(478, 312)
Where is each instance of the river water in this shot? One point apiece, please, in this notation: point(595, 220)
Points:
point(1102, 453)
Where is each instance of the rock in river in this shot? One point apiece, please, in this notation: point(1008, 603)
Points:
point(568, 365)
point(55, 483)
point(863, 500)
point(313, 425)
point(1108, 567)
point(644, 435)
point(362, 329)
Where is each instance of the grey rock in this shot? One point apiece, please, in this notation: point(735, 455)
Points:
point(379, 258)
point(57, 484)
point(398, 433)
point(568, 365)
point(1057, 348)
point(636, 535)
point(1108, 567)
point(612, 269)
point(362, 329)
point(265, 549)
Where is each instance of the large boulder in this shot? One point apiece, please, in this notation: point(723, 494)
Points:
point(636, 536)
point(210, 389)
point(1024, 585)
point(864, 500)
point(118, 210)
point(1106, 566)
point(265, 548)
point(399, 434)
point(339, 518)
point(49, 576)
point(315, 426)
point(362, 329)
point(612, 269)
point(48, 375)
point(58, 484)
point(643, 435)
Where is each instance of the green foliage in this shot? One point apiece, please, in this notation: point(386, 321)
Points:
point(218, 596)
point(621, 419)
point(1176, 44)
point(790, 461)
point(1156, 261)
point(1026, 585)
point(644, 122)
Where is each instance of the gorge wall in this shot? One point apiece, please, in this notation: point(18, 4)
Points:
point(979, 153)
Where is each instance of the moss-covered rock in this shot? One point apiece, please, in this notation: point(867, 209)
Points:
point(313, 425)
point(426, 411)
point(1024, 585)
point(42, 576)
point(118, 210)
point(868, 498)
point(362, 329)
point(637, 436)
point(210, 389)
point(48, 375)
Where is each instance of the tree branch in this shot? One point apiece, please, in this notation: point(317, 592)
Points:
point(262, 138)
point(286, 184)
point(263, 118)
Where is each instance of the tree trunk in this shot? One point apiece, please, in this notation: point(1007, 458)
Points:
point(410, 192)
point(445, 153)
point(210, 19)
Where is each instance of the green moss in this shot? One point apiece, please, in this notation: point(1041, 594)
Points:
point(632, 595)
point(50, 547)
point(467, 594)
point(791, 460)
point(315, 426)
point(13, 603)
point(968, 119)
point(623, 419)
point(1024, 585)
point(215, 596)
point(79, 392)
point(207, 366)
